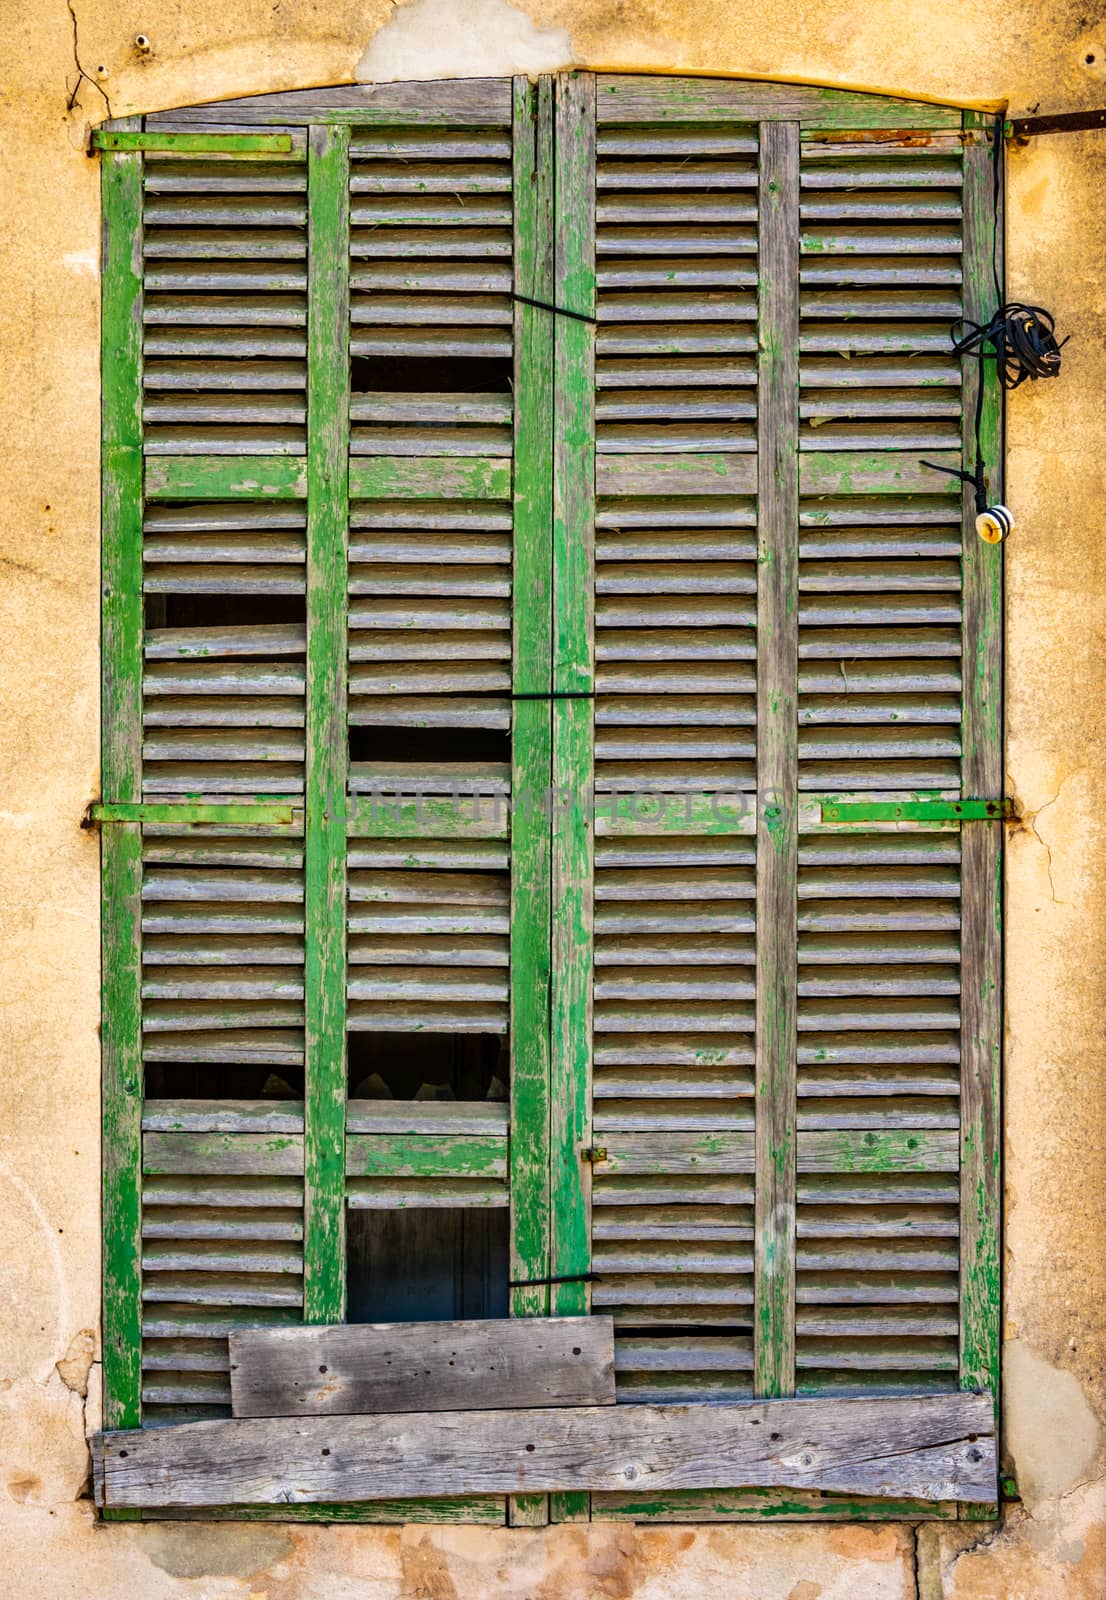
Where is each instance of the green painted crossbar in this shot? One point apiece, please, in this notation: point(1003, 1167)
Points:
point(917, 810)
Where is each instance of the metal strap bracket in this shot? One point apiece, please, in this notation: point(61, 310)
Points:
point(918, 810)
point(188, 813)
point(198, 144)
point(1062, 122)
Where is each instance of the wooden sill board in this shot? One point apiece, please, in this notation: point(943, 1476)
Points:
point(930, 1447)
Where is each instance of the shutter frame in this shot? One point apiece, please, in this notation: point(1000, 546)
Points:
point(566, 737)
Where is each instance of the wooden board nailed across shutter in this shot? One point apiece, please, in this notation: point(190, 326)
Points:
point(675, 713)
point(879, 715)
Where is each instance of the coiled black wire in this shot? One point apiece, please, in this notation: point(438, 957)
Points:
point(1023, 339)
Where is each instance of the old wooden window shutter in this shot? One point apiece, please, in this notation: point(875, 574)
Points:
point(471, 448)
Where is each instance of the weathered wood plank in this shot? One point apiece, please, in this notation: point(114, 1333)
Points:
point(444, 1117)
point(223, 1116)
point(777, 759)
point(121, 847)
point(391, 816)
point(461, 102)
point(764, 1505)
point(649, 814)
point(705, 100)
point(324, 1253)
point(936, 1447)
point(226, 478)
point(860, 1150)
point(429, 478)
point(508, 1364)
point(838, 472)
point(221, 1154)
point(414, 1155)
point(659, 474)
point(486, 1510)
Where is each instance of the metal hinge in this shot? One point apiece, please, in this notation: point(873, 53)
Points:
point(593, 1154)
point(1063, 122)
point(918, 811)
point(190, 814)
point(196, 144)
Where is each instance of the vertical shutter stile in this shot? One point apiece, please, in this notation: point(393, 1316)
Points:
point(121, 776)
point(777, 686)
point(531, 717)
point(531, 731)
point(328, 428)
point(573, 681)
point(981, 842)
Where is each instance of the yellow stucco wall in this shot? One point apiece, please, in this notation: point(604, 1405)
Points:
point(980, 52)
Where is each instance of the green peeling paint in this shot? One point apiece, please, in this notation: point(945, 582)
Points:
point(277, 144)
point(917, 810)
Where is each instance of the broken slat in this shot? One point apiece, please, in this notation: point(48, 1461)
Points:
point(937, 1447)
point(503, 1364)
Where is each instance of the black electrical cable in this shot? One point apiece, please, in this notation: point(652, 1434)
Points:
point(1023, 339)
point(546, 305)
point(565, 1277)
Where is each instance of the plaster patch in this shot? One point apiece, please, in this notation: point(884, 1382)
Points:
point(218, 1550)
point(462, 39)
point(1052, 1433)
point(84, 262)
point(74, 1367)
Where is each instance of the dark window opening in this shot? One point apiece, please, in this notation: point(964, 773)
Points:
point(431, 1264)
point(217, 1080)
point(420, 375)
point(428, 1066)
point(426, 747)
point(223, 610)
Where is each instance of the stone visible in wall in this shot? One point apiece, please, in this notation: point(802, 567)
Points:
point(462, 39)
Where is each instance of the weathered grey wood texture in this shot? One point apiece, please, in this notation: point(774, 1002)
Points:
point(422, 1366)
point(939, 1447)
